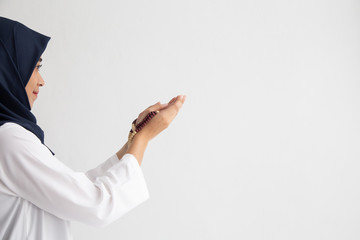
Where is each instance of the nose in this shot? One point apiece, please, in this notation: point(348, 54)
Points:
point(41, 81)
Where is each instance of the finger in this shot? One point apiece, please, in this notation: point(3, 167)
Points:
point(179, 101)
point(172, 100)
point(154, 106)
point(145, 112)
point(180, 97)
point(157, 107)
point(174, 108)
point(184, 98)
point(177, 98)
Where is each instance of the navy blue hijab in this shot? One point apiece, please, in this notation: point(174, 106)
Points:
point(20, 50)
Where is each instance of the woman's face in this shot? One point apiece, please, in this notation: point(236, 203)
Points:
point(32, 87)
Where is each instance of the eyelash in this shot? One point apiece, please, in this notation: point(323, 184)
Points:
point(38, 67)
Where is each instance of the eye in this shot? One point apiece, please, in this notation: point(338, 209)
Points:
point(38, 67)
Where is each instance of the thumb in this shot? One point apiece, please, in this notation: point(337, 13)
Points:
point(158, 106)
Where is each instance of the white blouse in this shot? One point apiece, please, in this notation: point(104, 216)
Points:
point(39, 195)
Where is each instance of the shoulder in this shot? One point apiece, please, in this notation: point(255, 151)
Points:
point(14, 130)
point(13, 136)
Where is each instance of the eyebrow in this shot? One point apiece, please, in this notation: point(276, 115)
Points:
point(40, 60)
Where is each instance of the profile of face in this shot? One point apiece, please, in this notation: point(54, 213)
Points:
point(35, 82)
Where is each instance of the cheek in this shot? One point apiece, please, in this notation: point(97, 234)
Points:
point(32, 82)
point(30, 86)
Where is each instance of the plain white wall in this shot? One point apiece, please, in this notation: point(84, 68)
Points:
point(267, 144)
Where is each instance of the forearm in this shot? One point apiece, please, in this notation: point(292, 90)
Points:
point(138, 147)
point(122, 151)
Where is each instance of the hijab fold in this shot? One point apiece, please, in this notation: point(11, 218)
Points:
point(20, 50)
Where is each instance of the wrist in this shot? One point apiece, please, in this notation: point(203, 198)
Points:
point(137, 147)
point(141, 137)
point(122, 151)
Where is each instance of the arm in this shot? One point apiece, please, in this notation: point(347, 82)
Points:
point(122, 151)
point(140, 141)
point(138, 147)
point(104, 166)
point(57, 189)
point(112, 160)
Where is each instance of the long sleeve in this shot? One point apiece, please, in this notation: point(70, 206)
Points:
point(101, 169)
point(98, 197)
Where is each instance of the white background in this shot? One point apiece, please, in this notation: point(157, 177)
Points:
point(267, 144)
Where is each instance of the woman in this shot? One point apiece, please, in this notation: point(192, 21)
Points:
point(39, 195)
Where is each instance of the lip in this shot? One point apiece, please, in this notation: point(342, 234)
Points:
point(36, 93)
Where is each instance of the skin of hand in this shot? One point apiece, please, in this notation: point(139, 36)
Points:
point(167, 113)
point(162, 120)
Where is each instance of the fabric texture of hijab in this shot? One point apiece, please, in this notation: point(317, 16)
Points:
point(20, 50)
